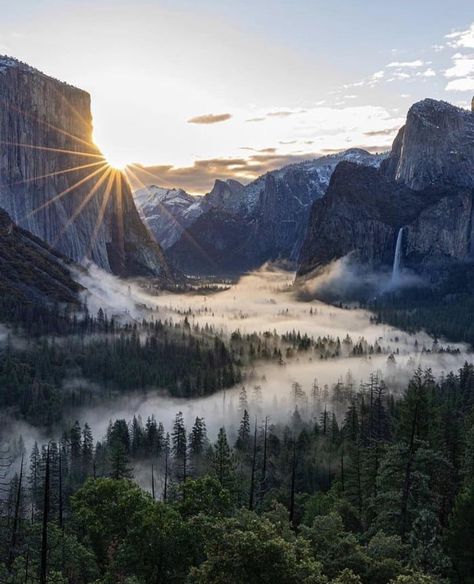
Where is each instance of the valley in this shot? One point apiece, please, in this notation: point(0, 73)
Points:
point(271, 381)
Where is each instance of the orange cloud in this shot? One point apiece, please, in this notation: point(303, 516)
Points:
point(210, 119)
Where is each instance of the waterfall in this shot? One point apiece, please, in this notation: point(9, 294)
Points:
point(398, 255)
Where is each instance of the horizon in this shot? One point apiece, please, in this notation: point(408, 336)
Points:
point(178, 87)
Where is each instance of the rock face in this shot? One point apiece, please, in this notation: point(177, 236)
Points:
point(436, 146)
point(55, 183)
point(240, 228)
point(227, 195)
point(166, 212)
point(425, 185)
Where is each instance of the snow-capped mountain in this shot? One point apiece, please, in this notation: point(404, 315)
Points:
point(241, 227)
point(167, 212)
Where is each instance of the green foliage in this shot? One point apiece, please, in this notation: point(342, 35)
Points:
point(384, 496)
point(249, 549)
point(461, 537)
point(106, 510)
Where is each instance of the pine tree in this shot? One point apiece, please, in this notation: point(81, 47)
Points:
point(243, 400)
point(179, 447)
point(198, 443)
point(222, 460)
point(87, 452)
point(243, 438)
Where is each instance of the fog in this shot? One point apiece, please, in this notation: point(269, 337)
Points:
point(345, 280)
point(265, 300)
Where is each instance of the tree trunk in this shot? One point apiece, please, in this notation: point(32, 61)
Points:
point(44, 536)
point(254, 463)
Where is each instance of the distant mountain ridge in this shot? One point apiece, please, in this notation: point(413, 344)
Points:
point(55, 182)
point(235, 227)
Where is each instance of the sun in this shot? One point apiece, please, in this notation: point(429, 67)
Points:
point(116, 158)
point(117, 162)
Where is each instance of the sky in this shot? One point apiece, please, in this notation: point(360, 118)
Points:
point(205, 89)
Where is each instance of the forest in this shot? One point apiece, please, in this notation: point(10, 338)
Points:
point(383, 494)
point(445, 308)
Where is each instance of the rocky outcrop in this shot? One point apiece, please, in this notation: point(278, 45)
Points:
point(436, 146)
point(55, 183)
point(226, 195)
point(425, 185)
point(442, 232)
point(272, 212)
point(166, 212)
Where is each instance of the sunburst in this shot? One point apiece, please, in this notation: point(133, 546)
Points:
point(128, 171)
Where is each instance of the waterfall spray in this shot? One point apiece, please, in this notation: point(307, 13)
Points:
point(398, 256)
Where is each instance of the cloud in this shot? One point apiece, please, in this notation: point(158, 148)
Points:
point(383, 132)
point(406, 64)
point(427, 73)
point(377, 149)
point(262, 150)
point(460, 85)
point(200, 176)
point(462, 39)
point(210, 119)
point(378, 75)
point(399, 76)
point(285, 113)
point(282, 143)
point(461, 73)
point(463, 66)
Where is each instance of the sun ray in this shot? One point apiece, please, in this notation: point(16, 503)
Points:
point(76, 112)
point(50, 149)
point(68, 190)
point(84, 202)
point(51, 174)
point(103, 207)
point(119, 202)
point(49, 125)
point(185, 232)
point(142, 169)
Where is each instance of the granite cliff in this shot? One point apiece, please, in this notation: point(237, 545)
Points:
point(426, 186)
point(55, 182)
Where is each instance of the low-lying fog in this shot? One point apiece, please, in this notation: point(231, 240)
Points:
point(265, 300)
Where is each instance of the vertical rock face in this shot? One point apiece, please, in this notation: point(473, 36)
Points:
point(436, 146)
point(426, 185)
point(55, 183)
point(226, 195)
point(442, 232)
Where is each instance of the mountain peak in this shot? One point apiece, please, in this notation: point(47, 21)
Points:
point(11, 63)
point(434, 105)
point(436, 145)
